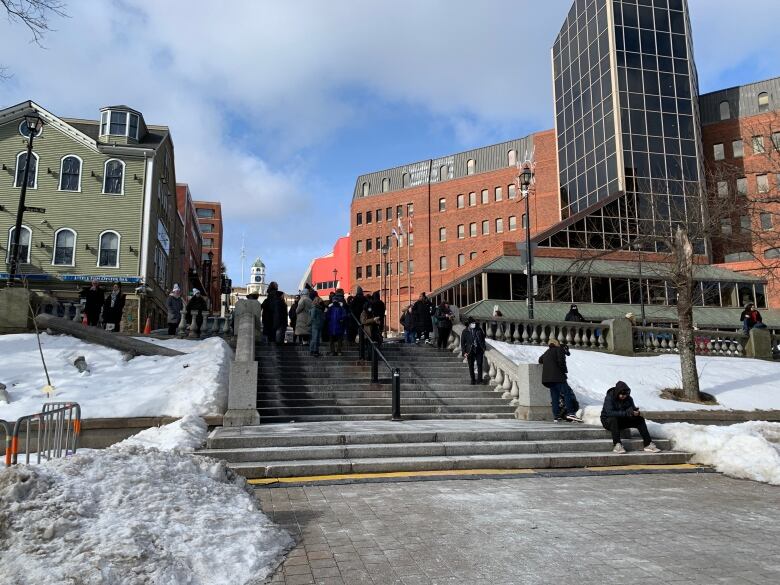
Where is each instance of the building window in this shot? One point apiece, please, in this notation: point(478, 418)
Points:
point(405, 180)
point(114, 177)
point(719, 152)
point(473, 230)
point(742, 186)
point(461, 204)
point(725, 110)
point(359, 273)
point(511, 191)
point(461, 231)
point(379, 244)
point(369, 216)
point(368, 271)
point(369, 246)
point(409, 209)
point(471, 166)
point(485, 227)
point(758, 145)
point(499, 194)
point(206, 227)
point(442, 263)
point(772, 253)
point(70, 173)
point(133, 128)
point(388, 269)
point(64, 247)
point(744, 223)
point(389, 214)
point(723, 188)
point(485, 197)
point(739, 148)
point(512, 223)
point(108, 250)
point(442, 234)
point(776, 140)
point(472, 255)
point(366, 187)
point(766, 221)
point(378, 215)
point(499, 226)
point(762, 181)
point(32, 177)
point(472, 199)
point(444, 173)
point(461, 259)
point(359, 247)
point(763, 102)
point(511, 158)
point(442, 204)
point(410, 238)
point(359, 219)
point(118, 124)
point(400, 267)
point(24, 244)
point(204, 213)
point(378, 270)
point(208, 242)
point(411, 266)
point(399, 211)
point(725, 227)
point(385, 185)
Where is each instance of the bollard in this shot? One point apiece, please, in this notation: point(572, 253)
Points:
point(396, 394)
point(374, 364)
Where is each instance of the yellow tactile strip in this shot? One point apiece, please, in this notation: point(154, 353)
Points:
point(461, 473)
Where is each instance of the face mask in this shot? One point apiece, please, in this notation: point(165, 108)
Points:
point(473, 326)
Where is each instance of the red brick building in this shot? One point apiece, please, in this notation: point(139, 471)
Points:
point(191, 241)
point(209, 214)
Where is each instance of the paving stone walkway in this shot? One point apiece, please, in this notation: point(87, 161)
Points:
point(627, 529)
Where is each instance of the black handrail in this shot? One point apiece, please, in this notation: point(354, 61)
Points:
point(376, 355)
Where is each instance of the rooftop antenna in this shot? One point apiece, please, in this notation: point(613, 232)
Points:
point(243, 259)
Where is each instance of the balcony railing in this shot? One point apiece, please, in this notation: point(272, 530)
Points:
point(580, 335)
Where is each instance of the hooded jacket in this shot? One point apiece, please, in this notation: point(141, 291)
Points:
point(303, 316)
point(553, 362)
point(613, 406)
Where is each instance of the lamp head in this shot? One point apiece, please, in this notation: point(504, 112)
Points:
point(526, 176)
point(33, 122)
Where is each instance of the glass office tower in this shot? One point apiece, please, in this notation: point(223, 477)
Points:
point(626, 98)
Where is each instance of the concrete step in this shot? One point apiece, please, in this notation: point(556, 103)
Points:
point(386, 417)
point(302, 468)
point(355, 384)
point(428, 449)
point(293, 411)
point(380, 392)
point(279, 402)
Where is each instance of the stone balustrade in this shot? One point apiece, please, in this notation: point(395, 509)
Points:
point(527, 332)
point(665, 340)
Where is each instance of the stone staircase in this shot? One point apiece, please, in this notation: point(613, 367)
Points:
point(294, 386)
point(345, 447)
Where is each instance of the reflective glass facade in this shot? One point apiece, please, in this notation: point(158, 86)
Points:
point(651, 151)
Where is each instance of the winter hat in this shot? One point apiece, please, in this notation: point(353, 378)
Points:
point(622, 388)
point(630, 315)
point(176, 287)
point(554, 342)
point(573, 307)
point(194, 292)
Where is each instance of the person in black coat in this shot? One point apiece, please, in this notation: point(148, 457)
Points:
point(444, 324)
point(423, 324)
point(472, 345)
point(356, 308)
point(554, 377)
point(292, 314)
point(378, 309)
point(268, 309)
point(93, 296)
point(619, 412)
point(574, 315)
point(196, 307)
point(113, 307)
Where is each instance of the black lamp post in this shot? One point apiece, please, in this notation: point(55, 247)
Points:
point(207, 274)
point(34, 124)
point(526, 176)
point(638, 247)
point(335, 278)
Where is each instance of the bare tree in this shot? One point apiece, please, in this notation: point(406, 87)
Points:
point(35, 15)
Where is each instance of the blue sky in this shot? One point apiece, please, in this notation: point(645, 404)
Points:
point(276, 106)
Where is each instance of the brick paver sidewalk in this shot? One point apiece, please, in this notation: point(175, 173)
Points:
point(629, 529)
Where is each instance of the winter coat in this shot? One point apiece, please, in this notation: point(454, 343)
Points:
point(472, 340)
point(370, 322)
point(422, 316)
point(575, 316)
point(197, 303)
point(293, 315)
point(615, 407)
point(175, 307)
point(316, 318)
point(94, 300)
point(754, 316)
point(274, 312)
point(336, 316)
point(407, 320)
point(113, 314)
point(443, 317)
point(378, 307)
point(303, 313)
point(553, 365)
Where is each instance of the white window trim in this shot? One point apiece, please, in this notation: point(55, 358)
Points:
point(10, 243)
point(81, 170)
point(16, 170)
point(105, 172)
point(37, 134)
point(105, 129)
point(118, 248)
point(75, 243)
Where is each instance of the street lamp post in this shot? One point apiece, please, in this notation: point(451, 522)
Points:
point(335, 278)
point(638, 247)
point(34, 124)
point(526, 176)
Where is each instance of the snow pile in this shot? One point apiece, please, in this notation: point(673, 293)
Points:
point(135, 516)
point(187, 433)
point(737, 383)
point(195, 383)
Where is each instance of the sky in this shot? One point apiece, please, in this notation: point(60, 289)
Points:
point(275, 107)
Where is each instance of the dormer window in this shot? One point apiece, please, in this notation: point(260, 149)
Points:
point(119, 123)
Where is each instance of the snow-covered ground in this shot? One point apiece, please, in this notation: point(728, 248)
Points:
point(135, 515)
point(737, 383)
point(195, 383)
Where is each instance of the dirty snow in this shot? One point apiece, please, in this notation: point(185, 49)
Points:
point(131, 515)
point(737, 383)
point(188, 433)
point(194, 383)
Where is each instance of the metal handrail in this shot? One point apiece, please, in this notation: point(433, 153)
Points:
point(376, 355)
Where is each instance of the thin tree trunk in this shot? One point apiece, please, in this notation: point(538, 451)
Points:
point(685, 341)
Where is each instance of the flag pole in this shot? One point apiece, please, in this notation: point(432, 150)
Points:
point(390, 287)
point(408, 253)
point(398, 283)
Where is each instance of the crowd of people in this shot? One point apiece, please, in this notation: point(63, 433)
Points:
point(103, 308)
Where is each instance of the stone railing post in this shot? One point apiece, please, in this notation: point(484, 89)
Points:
point(759, 344)
point(620, 336)
point(533, 399)
point(242, 390)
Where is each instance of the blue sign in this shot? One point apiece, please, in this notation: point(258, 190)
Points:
point(74, 277)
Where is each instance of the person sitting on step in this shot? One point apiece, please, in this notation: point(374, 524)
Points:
point(620, 412)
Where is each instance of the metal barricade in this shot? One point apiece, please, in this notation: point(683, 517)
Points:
point(50, 434)
point(8, 429)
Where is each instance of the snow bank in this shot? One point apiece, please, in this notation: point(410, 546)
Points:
point(135, 516)
point(737, 383)
point(195, 383)
point(187, 434)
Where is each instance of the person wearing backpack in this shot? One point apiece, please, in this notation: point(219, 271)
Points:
point(336, 319)
point(554, 375)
